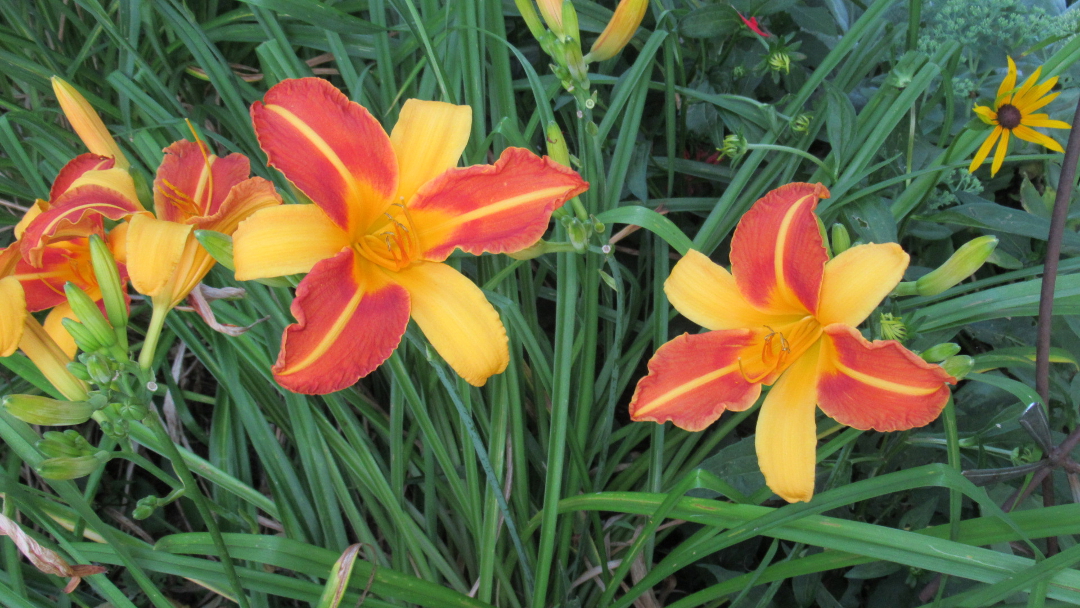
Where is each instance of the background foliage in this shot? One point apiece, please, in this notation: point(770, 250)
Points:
point(537, 490)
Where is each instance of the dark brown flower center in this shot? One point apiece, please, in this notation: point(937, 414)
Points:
point(1008, 116)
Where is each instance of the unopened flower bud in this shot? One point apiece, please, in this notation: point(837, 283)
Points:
point(579, 234)
point(78, 370)
point(108, 279)
point(961, 265)
point(89, 315)
point(892, 327)
point(780, 61)
point(618, 32)
point(84, 338)
point(801, 123)
point(86, 122)
point(552, 12)
point(940, 352)
point(145, 507)
point(556, 144)
point(99, 369)
point(839, 238)
point(63, 444)
point(958, 366)
point(33, 409)
point(735, 145)
point(72, 468)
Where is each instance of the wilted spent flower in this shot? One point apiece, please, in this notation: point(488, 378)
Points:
point(892, 327)
point(735, 145)
point(801, 123)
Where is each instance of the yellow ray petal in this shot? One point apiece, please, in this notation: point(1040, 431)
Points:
point(985, 148)
point(1025, 89)
point(12, 315)
point(55, 328)
point(1035, 137)
point(1007, 84)
point(1022, 102)
point(786, 431)
point(1037, 104)
point(1043, 121)
point(154, 250)
point(999, 155)
point(857, 280)
point(428, 139)
point(706, 293)
point(285, 239)
point(986, 114)
point(457, 319)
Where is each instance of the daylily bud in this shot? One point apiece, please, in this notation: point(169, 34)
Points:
point(940, 352)
point(99, 369)
point(528, 13)
point(84, 338)
point(801, 123)
point(72, 468)
point(738, 71)
point(64, 444)
point(556, 145)
point(552, 11)
point(839, 238)
point(735, 145)
point(86, 122)
point(624, 23)
point(79, 371)
point(961, 265)
point(89, 315)
point(33, 409)
point(108, 279)
point(218, 245)
point(958, 366)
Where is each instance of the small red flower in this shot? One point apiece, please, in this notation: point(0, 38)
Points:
point(753, 25)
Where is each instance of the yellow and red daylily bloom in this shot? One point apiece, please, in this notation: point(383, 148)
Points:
point(785, 316)
point(193, 190)
point(1012, 115)
point(388, 211)
point(619, 30)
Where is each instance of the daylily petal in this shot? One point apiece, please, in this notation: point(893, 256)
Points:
point(244, 198)
point(706, 293)
point(31, 214)
point(777, 254)
point(787, 433)
point(496, 208)
point(332, 149)
point(457, 319)
point(12, 315)
point(192, 182)
point(192, 267)
point(74, 170)
point(984, 149)
point(9, 258)
point(1007, 84)
point(62, 261)
point(880, 385)
point(428, 139)
point(54, 327)
point(348, 321)
point(999, 155)
point(694, 378)
point(857, 280)
point(619, 30)
point(1035, 137)
point(40, 348)
point(285, 239)
point(155, 248)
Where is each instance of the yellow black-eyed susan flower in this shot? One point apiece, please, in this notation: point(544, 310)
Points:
point(1012, 115)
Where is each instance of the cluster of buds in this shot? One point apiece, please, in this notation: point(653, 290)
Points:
point(70, 455)
point(947, 355)
point(561, 39)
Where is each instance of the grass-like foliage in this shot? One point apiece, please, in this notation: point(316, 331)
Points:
point(162, 433)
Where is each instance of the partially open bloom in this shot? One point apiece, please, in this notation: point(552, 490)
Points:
point(1012, 115)
point(193, 190)
point(86, 123)
point(619, 30)
point(785, 316)
point(388, 211)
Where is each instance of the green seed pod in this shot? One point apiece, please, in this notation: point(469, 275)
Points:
point(556, 144)
point(940, 352)
point(33, 409)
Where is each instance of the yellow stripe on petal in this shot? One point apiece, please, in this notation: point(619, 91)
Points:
point(112, 179)
point(286, 239)
point(31, 213)
point(457, 319)
point(857, 280)
point(55, 328)
point(704, 292)
point(154, 250)
point(12, 315)
point(787, 433)
point(428, 139)
point(1035, 137)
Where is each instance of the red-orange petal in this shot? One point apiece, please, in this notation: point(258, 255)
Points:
point(74, 170)
point(694, 378)
point(777, 254)
point(192, 182)
point(62, 261)
point(243, 199)
point(497, 208)
point(78, 212)
point(880, 385)
point(332, 149)
point(348, 321)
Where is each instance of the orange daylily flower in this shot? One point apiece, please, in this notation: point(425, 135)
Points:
point(388, 211)
point(86, 122)
point(619, 30)
point(785, 316)
point(193, 190)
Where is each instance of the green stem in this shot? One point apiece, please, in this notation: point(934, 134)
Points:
point(153, 421)
point(153, 332)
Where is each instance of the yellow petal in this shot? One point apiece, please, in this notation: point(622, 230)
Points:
point(154, 249)
point(1007, 84)
point(624, 23)
point(787, 433)
point(999, 155)
point(984, 149)
point(457, 319)
point(857, 280)
point(40, 348)
point(706, 293)
point(1044, 121)
point(285, 239)
point(114, 179)
point(1025, 102)
point(1035, 137)
point(1024, 91)
point(55, 328)
point(986, 114)
point(428, 139)
point(12, 315)
point(34, 211)
point(1036, 104)
point(86, 122)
